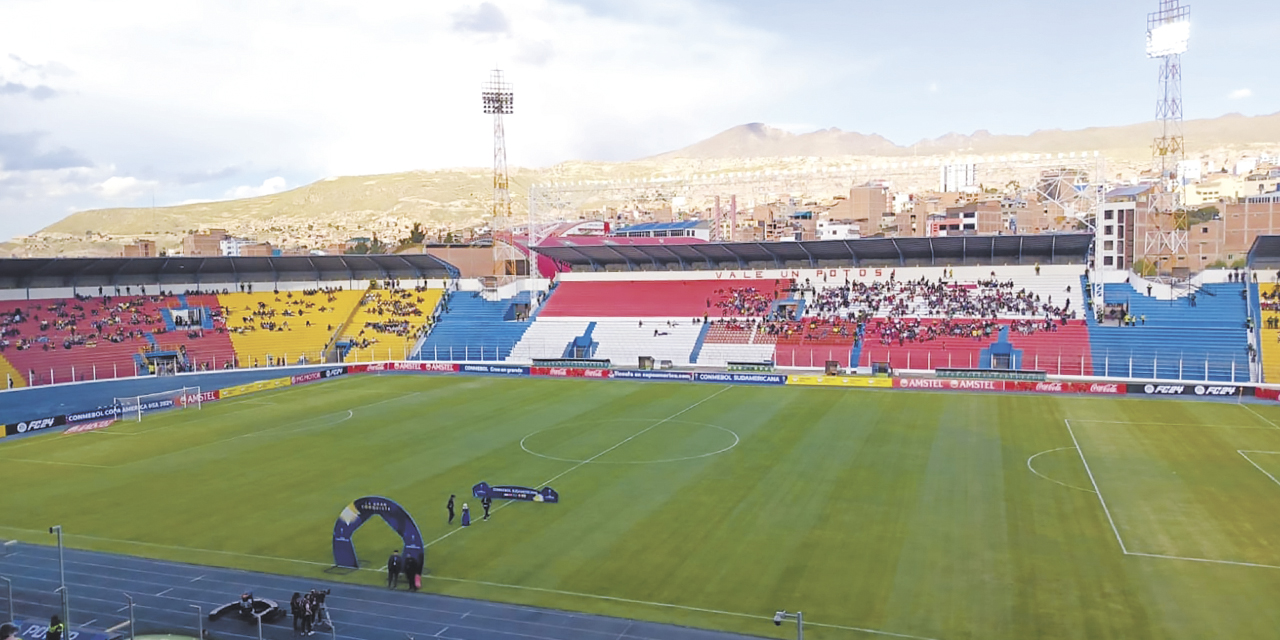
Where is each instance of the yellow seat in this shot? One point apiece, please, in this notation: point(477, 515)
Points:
point(1270, 349)
point(6, 368)
point(326, 313)
point(376, 307)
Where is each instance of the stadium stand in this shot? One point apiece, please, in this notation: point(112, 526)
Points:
point(388, 323)
point(1202, 337)
point(270, 328)
point(86, 337)
point(12, 377)
point(660, 298)
point(473, 328)
point(550, 338)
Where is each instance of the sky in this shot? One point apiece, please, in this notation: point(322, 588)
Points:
point(142, 102)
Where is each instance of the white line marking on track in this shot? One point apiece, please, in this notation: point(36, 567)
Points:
point(676, 606)
point(89, 622)
point(1033, 470)
point(1095, 487)
point(588, 460)
point(165, 591)
point(527, 588)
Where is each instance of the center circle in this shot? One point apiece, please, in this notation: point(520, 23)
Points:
point(729, 439)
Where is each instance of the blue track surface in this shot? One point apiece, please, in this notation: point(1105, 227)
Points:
point(164, 592)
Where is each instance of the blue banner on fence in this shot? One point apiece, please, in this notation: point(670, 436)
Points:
point(626, 374)
point(509, 492)
point(741, 378)
point(495, 369)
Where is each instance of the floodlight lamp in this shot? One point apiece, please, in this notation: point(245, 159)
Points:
point(1168, 39)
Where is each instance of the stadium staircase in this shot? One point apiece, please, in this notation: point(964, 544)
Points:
point(374, 308)
point(1207, 341)
point(582, 346)
point(10, 373)
point(475, 329)
point(547, 339)
point(325, 312)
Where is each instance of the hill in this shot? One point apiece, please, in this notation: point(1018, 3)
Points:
point(761, 140)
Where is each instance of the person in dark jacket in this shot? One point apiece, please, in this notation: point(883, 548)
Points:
point(56, 629)
point(395, 564)
point(486, 502)
point(295, 606)
point(450, 508)
point(411, 570)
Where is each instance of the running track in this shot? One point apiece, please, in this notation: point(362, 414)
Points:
point(164, 592)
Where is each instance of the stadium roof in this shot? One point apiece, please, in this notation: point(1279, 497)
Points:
point(1128, 192)
point(1057, 248)
point(649, 227)
point(25, 273)
point(1265, 253)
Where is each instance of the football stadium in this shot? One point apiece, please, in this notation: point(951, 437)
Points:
point(928, 438)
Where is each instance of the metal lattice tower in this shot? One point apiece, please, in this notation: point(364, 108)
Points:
point(499, 100)
point(1168, 31)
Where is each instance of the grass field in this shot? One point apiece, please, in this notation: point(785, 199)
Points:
point(941, 516)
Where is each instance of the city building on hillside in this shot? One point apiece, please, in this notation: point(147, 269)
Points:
point(1120, 214)
point(139, 249)
point(205, 243)
point(837, 230)
point(981, 218)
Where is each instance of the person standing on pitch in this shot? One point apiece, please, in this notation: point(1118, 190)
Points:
point(394, 564)
point(466, 515)
point(450, 508)
point(486, 502)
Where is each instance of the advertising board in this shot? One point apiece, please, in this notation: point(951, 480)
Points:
point(841, 381)
point(494, 369)
point(566, 372)
point(629, 374)
point(741, 378)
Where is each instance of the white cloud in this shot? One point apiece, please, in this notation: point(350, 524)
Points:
point(933, 87)
point(309, 88)
point(1240, 94)
point(120, 187)
point(268, 187)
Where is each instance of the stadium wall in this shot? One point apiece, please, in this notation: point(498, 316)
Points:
point(24, 420)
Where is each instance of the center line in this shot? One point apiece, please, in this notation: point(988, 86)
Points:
point(588, 460)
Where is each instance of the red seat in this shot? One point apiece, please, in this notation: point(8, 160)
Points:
point(652, 298)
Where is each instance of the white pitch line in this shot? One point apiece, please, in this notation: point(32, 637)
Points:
point(588, 460)
point(1033, 470)
point(1205, 560)
point(70, 464)
point(1264, 419)
point(1095, 487)
point(1255, 465)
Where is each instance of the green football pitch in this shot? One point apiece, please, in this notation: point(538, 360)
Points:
point(876, 513)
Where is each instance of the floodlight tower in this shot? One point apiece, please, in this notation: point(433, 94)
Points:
point(1168, 31)
point(499, 100)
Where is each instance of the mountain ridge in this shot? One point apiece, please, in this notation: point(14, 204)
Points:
point(757, 139)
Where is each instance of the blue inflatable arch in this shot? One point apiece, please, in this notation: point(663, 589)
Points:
point(359, 511)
